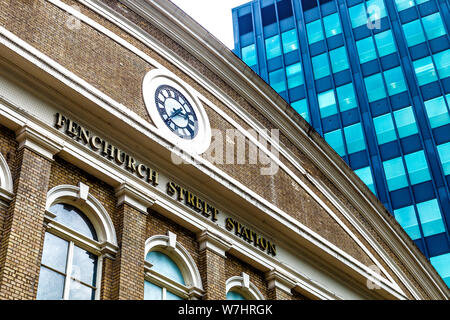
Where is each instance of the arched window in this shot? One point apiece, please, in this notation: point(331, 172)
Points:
point(74, 245)
point(170, 280)
point(6, 182)
point(170, 272)
point(240, 288)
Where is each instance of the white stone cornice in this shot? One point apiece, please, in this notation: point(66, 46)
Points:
point(109, 250)
point(208, 240)
point(38, 142)
point(277, 280)
point(6, 196)
point(126, 193)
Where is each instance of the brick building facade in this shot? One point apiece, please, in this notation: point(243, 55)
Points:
point(94, 178)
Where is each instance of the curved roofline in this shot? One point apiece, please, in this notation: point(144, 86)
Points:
point(190, 34)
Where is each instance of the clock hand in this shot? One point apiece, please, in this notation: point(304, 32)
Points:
point(175, 113)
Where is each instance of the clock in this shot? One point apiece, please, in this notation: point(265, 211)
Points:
point(176, 112)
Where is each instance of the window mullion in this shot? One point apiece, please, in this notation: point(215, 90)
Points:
point(68, 271)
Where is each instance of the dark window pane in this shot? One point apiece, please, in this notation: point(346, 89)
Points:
point(268, 15)
point(73, 218)
point(54, 254)
point(308, 4)
point(284, 8)
point(51, 285)
point(245, 24)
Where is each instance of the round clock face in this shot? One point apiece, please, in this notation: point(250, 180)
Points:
point(176, 112)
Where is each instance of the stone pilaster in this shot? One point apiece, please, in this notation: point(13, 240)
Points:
point(21, 247)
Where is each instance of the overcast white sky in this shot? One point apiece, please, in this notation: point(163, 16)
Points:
point(213, 15)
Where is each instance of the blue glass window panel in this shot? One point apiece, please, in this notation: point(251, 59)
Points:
point(338, 58)
point(290, 41)
point(152, 291)
point(375, 87)
point(442, 265)
point(314, 31)
point(430, 217)
point(421, 1)
point(442, 60)
point(366, 50)
point(277, 80)
point(417, 167)
point(433, 26)
point(425, 71)
point(332, 25)
point(413, 33)
point(334, 139)
point(165, 266)
point(404, 4)
point(302, 108)
point(366, 176)
point(384, 128)
point(358, 15)
point(84, 266)
point(376, 9)
point(73, 218)
point(327, 103)
point(395, 174)
point(249, 55)
point(294, 75)
point(233, 295)
point(395, 82)
point(437, 112)
point(51, 285)
point(444, 156)
point(354, 138)
point(385, 43)
point(172, 296)
point(346, 97)
point(405, 122)
point(320, 66)
point(406, 217)
point(273, 47)
point(55, 252)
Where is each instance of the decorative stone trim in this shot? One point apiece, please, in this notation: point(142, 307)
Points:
point(91, 207)
point(277, 280)
point(169, 245)
point(125, 193)
point(208, 240)
point(244, 286)
point(6, 182)
point(34, 140)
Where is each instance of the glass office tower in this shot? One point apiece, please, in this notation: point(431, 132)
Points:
point(373, 78)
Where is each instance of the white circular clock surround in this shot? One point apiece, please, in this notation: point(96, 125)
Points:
point(176, 111)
